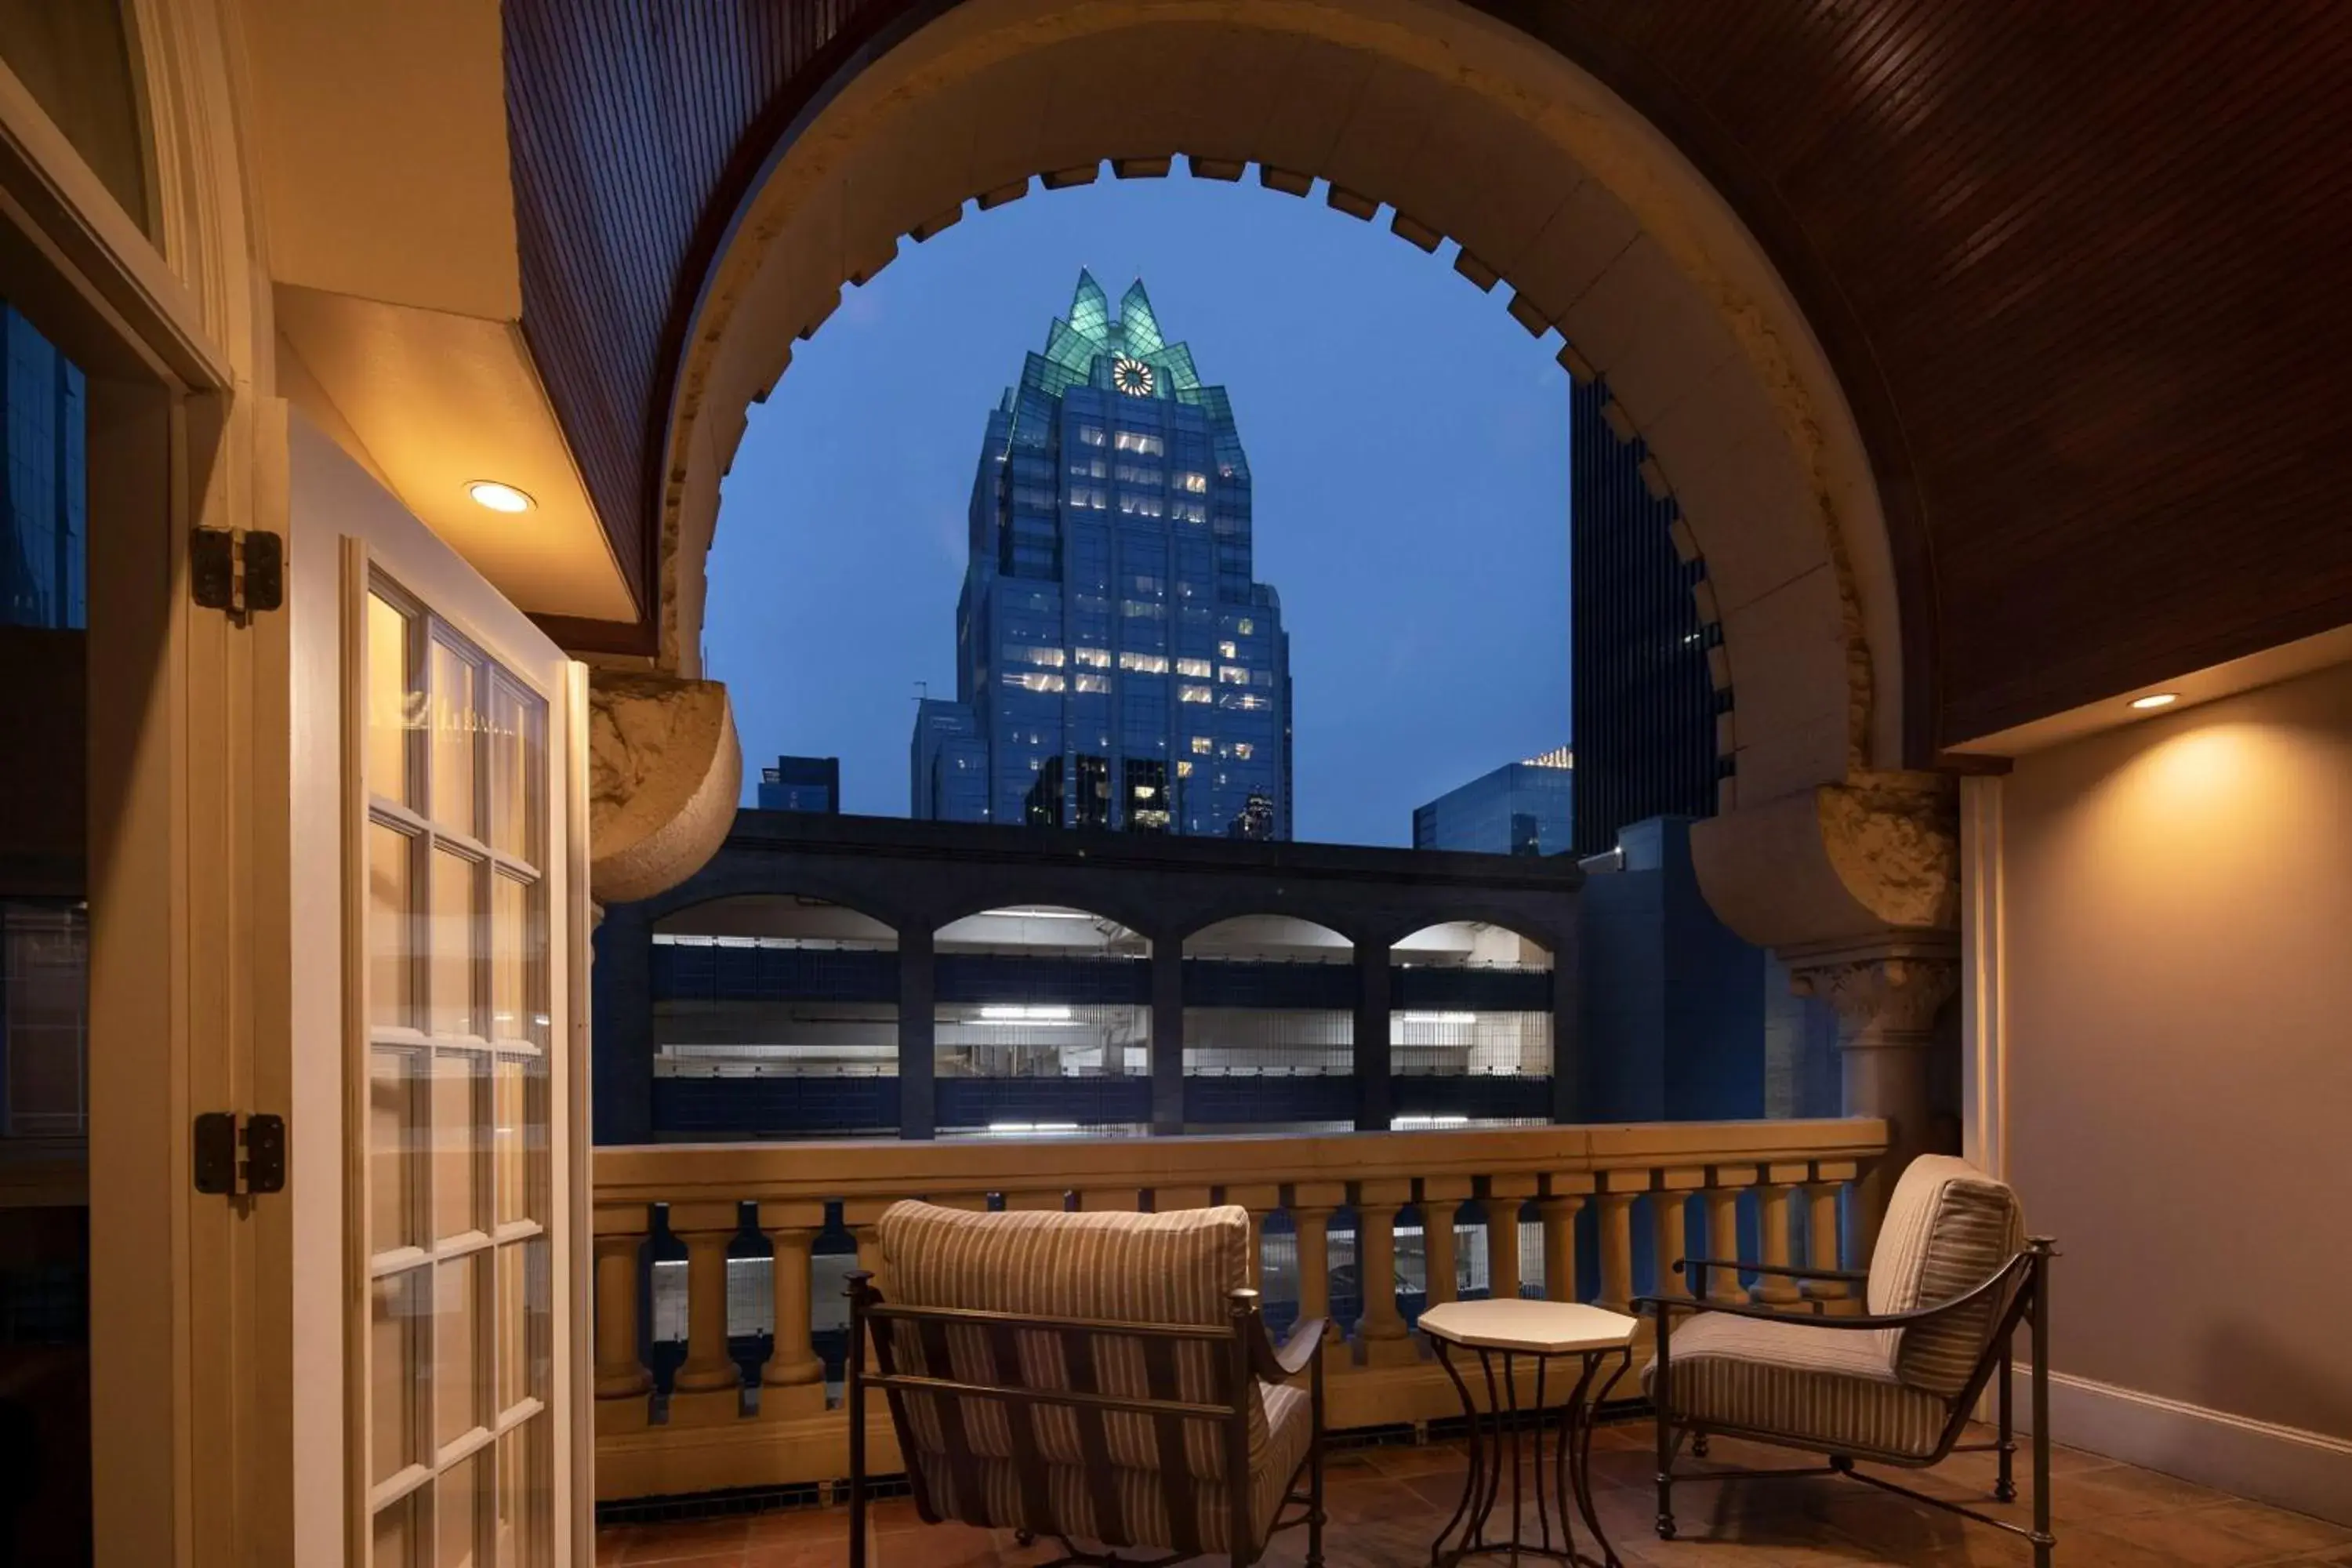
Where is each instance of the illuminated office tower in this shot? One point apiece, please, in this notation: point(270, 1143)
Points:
point(1116, 665)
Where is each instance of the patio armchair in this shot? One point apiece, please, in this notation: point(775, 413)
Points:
point(1099, 1377)
point(1949, 1282)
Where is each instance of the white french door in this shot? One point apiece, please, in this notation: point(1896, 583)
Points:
point(464, 909)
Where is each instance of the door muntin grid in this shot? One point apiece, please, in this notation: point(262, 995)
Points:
point(459, 1343)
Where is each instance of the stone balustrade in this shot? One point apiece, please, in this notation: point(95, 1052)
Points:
point(1332, 1213)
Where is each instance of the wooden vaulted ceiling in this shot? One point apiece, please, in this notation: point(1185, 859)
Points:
point(2079, 267)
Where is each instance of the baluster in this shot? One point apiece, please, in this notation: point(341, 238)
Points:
point(619, 1375)
point(1439, 1197)
point(1563, 1196)
point(792, 1383)
point(1670, 1216)
point(1615, 1206)
point(1382, 1331)
point(1774, 1213)
point(1821, 1193)
point(1723, 1230)
point(705, 1386)
point(859, 1217)
point(1505, 1195)
point(1312, 1205)
point(1260, 1200)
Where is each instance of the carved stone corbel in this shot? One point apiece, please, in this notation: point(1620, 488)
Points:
point(665, 772)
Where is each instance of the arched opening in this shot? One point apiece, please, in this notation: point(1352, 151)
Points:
point(1444, 124)
point(774, 1017)
point(1470, 1011)
point(1269, 1026)
point(1043, 1024)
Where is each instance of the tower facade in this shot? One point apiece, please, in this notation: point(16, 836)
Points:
point(1643, 702)
point(1118, 665)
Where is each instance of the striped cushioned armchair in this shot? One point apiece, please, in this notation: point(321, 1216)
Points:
point(1949, 1282)
point(1098, 1378)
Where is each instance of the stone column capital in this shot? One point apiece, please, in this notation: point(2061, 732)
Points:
point(1885, 998)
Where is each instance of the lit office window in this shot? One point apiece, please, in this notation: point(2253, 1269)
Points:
point(1203, 745)
point(1139, 506)
point(1183, 770)
point(1229, 650)
point(1243, 751)
point(1090, 435)
point(1135, 609)
point(1197, 667)
point(1245, 702)
point(1137, 441)
point(1189, 511)
point(1197, 484)
point(1033, 680)
point(1050, 657)
point(1092, 683)
point(1233, 675)
point(1094, 657)
point(1193, 694)
point(1144, 663)
point(1244, 627)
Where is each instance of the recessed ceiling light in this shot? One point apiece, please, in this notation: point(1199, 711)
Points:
point(2156, 699)
point(497, 497)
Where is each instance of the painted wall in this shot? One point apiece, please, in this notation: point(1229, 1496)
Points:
point(2178, 974)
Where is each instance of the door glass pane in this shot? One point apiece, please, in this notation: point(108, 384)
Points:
point(515, 744)
point(511, 1140)
point(510, 937)
point(514, 1329)
point(457, 1513)
point(539, 1316)
point(399, 1540)
point(460, 1090)
point(523, 1504)
point(390, 998)
point(457, 716)
point(395, 1357)
point(457, 1363)
point(457, 882)
point(391, 702)
point(396, 1134)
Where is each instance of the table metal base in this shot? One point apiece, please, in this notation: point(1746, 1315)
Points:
point(1495, 1446)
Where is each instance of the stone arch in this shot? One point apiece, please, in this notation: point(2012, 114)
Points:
point(1465, 128)
point(1518, 925)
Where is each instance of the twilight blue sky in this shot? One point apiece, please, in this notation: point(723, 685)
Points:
point(1408, 440)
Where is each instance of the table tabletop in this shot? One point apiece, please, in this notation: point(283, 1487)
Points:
point(1536, 1328)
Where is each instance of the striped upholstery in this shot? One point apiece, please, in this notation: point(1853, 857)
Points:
point(1830, 1388)
point(1949, 1228)
point(1167, 1268)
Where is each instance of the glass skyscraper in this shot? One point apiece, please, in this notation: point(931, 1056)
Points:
point(1117, 665)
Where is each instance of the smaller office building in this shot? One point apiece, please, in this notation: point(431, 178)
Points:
point(801, 783)
point(1520, 808)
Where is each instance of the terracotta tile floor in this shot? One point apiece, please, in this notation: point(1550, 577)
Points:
point(1386, 1504)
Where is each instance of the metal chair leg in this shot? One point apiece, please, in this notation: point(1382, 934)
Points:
point(2004, 1485)
point(1663, 1402)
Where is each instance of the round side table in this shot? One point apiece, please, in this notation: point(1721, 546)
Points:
point(1505, 1331)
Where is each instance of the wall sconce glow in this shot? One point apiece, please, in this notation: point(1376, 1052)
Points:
point(498, 497)
point(2156, 699)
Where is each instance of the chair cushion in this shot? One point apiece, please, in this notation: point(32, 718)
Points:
point(1175, 1268)
point(1835, 1389)
point(1949, 1228)
point(1142, 1494)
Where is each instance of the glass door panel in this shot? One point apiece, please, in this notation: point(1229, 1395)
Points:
point(459, 1417)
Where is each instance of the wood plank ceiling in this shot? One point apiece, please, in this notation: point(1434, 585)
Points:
point(2080, 268)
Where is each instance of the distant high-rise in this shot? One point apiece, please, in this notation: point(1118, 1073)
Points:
point(1117, 665)
point(1520, 808)
point(801, 783)
point(1641, 704)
